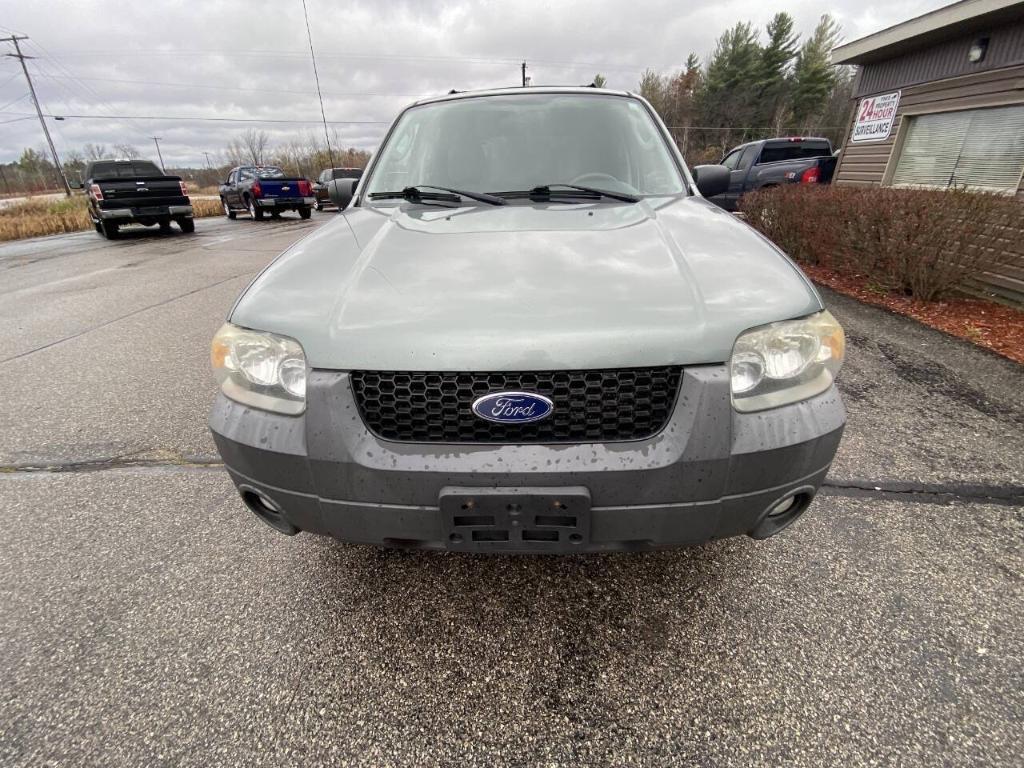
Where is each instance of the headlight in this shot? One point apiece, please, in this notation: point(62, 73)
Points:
point(263, 370)
point(786, 362)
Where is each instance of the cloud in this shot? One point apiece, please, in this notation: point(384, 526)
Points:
point(250, 59)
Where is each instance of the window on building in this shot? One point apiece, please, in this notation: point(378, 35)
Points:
point(975, 148)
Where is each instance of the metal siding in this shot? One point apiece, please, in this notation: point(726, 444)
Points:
point(949, 59)
point(866, 164)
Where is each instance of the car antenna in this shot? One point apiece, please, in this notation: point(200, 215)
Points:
point(453, 91)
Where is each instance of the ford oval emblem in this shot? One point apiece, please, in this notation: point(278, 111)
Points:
point(513, 407)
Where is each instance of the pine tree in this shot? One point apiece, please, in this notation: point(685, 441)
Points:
point(776, 57)
point(814, 77)
point(599, 81)
point(728, 97)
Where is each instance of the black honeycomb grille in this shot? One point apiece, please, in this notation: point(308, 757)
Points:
point(589, 406)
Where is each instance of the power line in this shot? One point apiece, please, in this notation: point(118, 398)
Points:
point(35, 100)
point(211, 119)
point(316, 77)
point(223, 87)
point(15, 101)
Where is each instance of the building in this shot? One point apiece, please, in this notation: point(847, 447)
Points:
point(940, 103)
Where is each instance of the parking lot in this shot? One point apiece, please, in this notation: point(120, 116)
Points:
point(146, 618)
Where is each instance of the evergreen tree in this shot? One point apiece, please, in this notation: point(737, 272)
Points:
point(776, 57)
point(728, 97)
point(814, 77)
point(599, 81)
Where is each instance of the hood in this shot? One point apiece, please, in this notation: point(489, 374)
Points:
point(525, 287)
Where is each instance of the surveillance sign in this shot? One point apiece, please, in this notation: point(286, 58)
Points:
point(875, 116)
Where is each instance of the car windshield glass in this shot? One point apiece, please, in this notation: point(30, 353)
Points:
point(517, 142)
point(125, 170)
point(269, 172)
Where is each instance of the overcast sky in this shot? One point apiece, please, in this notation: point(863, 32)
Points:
point(250, 59)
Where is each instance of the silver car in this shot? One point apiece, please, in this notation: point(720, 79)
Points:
point(528, 331)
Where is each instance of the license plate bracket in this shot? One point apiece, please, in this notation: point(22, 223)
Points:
point(510, 519)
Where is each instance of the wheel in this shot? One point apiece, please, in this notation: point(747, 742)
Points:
point(188, 226)
point(275, 214)
point(98, 227)
point(165, 227)
point(305, 212)
point(255, 212)
point(318, 205)
point(108, 229)
point(227, 209)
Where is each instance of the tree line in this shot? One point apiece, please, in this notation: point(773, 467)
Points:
point(749, 89)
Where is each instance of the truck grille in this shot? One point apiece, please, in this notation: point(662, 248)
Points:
point(589, 406)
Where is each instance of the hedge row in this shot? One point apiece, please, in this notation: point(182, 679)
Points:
point(922, 243)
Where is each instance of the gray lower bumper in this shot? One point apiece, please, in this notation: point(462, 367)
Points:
point(291, 202)
point(711, 473)
point(128, 213)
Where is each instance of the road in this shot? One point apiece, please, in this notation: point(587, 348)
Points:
point(147, 619)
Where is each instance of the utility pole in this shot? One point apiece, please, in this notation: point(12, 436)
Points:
point(156, 140)
point(209, 165)
point(35, 100)
point(524, 74)
point(316, 77)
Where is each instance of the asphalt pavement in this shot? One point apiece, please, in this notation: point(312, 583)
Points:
point(147, 619)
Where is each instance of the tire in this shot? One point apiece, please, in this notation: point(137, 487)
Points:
point(108, 229)
point(227, 209)
point(98, 227)
point(165, 227)
point(318, 205)
point(188, 226)
point(255, 212)
point(305, 212)
point(275, 214)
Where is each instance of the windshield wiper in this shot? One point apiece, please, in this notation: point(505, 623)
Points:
point(414, 194)
point(545, 192)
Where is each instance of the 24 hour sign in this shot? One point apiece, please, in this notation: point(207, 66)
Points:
point(875, 117)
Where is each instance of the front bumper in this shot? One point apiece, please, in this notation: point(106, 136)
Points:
point(711, 473)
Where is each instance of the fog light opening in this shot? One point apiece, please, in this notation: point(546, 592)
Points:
point(267, 510)
point(783, 512)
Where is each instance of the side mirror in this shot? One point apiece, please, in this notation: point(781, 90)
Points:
point(341, 191)
point(711, 179)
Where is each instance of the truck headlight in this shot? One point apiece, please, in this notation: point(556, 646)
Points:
point(260, 369)
point(786, 362)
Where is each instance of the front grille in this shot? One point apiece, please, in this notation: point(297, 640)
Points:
point(589, 406)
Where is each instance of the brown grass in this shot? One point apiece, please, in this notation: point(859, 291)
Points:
point(36, 218)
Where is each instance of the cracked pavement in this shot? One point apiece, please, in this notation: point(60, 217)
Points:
point(147, 619)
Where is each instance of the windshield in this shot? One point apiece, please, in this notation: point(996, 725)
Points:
point(124, 170)
point(517, 142)
point(263, 172)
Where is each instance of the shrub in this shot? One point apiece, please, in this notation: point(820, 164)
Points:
point(919, 242)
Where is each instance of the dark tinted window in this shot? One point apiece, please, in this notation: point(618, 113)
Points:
point(749, 156)
point(793, 150)
point(124, 170)
point(347, 173)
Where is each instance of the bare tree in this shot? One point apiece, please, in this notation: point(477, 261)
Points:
point(255, 145)
point(127, 151)
point(95, 151)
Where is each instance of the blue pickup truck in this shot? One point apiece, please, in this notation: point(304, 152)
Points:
point(265, 189)
point(774, 162)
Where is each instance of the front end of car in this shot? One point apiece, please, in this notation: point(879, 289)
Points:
point(556, 460)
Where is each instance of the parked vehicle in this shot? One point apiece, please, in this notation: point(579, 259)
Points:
point(529, 331)
point(262, 189)
point(327, 175)
point(121, 192)
point(773, 162)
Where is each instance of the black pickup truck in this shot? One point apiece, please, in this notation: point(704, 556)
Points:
point(773, 162)
point(134, 192)
point(261, 189)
